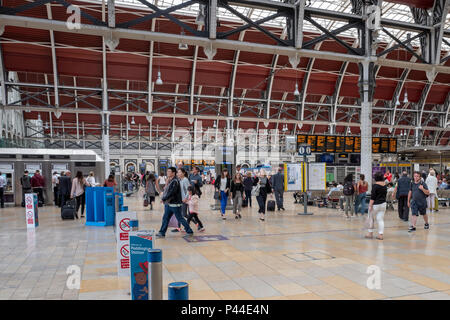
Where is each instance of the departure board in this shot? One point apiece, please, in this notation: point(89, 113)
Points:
point(376, 142)
point(357, 145)
point(340, 144)
point(331, 143)
point(312, 142)
point(384, 148)
point(349, 142)
point(321, 144)
point(337, 144)
point(301, 139)
point(392, 145)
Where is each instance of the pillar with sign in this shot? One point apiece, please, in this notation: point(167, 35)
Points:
point(123, 229)
point(31, 210)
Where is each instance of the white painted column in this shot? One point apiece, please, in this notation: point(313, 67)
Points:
point(366, 126)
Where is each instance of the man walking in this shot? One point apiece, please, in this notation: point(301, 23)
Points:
point(65, 186)
point(2, 191)
point(25, 182)
point(172, 206)
point(417, 201)
point(278, 188)
point(37, 183)
point(402, 191)
point(196, 180)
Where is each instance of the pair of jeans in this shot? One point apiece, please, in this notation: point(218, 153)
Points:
point(39, 193)
point(55, 196)
point(223, 201)
point(81, 200)
point(248, 196)
point(403, 210)
point(184, 213)
point(237, 202)
point(262, 198)
point(350, 204)
point(279, 198)
point(168, 212)
point(360, 204)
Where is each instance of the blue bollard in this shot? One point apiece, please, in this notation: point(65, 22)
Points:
point(178, 291)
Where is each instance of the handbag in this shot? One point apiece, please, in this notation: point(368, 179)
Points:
point(255, 190)
point(145, 200)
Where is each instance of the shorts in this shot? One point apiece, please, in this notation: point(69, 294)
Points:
point(415, 209)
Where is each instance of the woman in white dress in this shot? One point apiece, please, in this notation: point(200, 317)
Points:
point(432, 184)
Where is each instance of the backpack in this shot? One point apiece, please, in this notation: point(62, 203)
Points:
point(348, 189)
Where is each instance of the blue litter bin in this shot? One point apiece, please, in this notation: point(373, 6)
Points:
point(178, 291)
point(100, 205)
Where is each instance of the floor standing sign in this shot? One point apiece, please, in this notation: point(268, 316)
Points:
point(140, 243)
point(31, 210)
point(122, 235)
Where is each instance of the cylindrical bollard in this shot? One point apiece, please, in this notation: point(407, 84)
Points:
point(134, 225)
point(155, 274)
point(178, 291)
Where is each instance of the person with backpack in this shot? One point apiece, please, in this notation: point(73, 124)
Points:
point(25, 182)
point(349, 194)
point(401, 192)
point(417, 201)
point(79, 184)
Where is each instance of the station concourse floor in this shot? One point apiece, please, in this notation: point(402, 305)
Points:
point(288, 256)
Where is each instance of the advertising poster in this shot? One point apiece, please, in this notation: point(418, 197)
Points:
point(293, 177)
point(140, 242)
point(122, 239)
point(317, 176)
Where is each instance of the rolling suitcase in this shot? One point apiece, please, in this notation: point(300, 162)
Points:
point(68, 210)
point(271, 205)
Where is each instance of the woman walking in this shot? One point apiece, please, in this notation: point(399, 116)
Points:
point(222, 185)
point(248, 185)
point(377, 206)
point(361, 189)
point(150, 189)
point(264, 189)
point(78, 185)
point(432, 184)
point(161, 182)
point(237, 193)
point(91, 179)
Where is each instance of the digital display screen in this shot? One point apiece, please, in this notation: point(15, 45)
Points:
point(337, 144)
point(326, 157)
point(349, 142)
point(321, 147)
point(384, 145)
point(331, 143)
point(340, 144)
point(312, 142)
point(357, 145)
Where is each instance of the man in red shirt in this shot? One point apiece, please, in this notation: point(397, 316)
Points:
point(388, 175)
point(37, 183)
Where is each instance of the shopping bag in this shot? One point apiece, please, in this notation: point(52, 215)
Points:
point(145, 200)
point(173, 222)
point(255, 190)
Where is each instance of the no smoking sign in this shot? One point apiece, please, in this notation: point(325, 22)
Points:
point(125, 251)
point(125, 225)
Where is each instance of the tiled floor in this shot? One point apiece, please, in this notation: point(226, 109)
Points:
point(288, 256)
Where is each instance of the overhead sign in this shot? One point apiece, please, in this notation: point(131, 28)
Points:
point(351, 144)
point(122, 236)
point(304, 150)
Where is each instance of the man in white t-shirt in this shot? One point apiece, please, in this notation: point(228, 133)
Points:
point(55, 185)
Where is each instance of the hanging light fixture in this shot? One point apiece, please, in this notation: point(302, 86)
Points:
point(181, 45)
point(158, 79)
point(201, 16)
point(296, 92)
point(405, 99)
point(214, 124)
point(397, 103)
point(39, 117)
point(349, 131)
point(132, 120)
